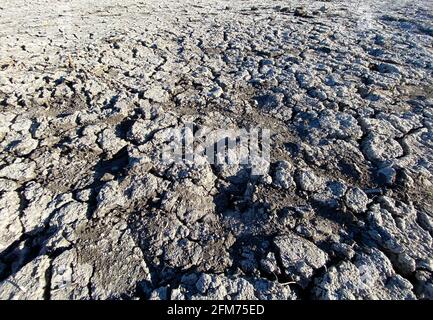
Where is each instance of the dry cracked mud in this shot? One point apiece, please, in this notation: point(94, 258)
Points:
point(89, 91)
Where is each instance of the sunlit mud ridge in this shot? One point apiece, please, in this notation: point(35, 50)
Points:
point(92, 91)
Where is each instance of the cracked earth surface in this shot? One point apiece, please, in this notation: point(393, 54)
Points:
point(89, 90)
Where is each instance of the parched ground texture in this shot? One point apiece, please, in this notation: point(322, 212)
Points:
point(89, 90)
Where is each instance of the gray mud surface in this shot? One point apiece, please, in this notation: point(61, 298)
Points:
point(90, 89)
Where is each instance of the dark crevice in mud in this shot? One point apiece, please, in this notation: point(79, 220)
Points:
point(423, 224)
point(116, 165)
point(26, 249)
point(302, 292)
point(22, 251)
point(254, 60)
point(393, 259)
point(349, 169)
point(294, 149)
point(18, 254)
point(110, 104)
point(23, 204)
point(162, 276)
point(48, 275)
point(282, 277)
point(251, 249)
point(404, 145)
point(355, 231)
